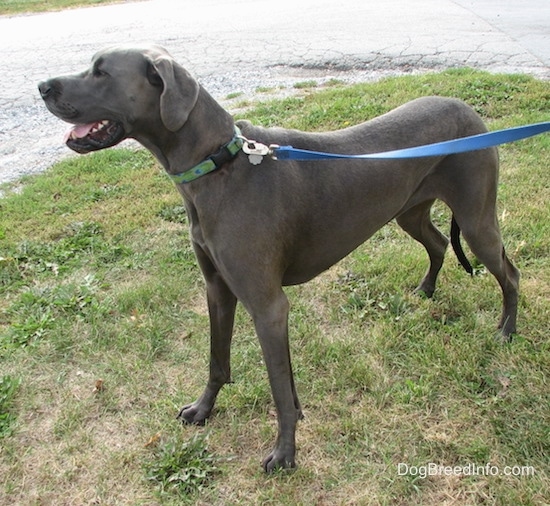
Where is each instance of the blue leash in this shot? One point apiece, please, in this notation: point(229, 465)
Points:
point(472, 143)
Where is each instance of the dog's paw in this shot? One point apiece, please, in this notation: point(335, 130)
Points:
point(193, 414)
point(278, 460)
point(425, 290)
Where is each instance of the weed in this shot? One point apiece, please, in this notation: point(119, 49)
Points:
point(173, 213)
point(27, 329)
point(8, 388)
point(36, 310)
point(182, 468)
point(10, 273)
point(77, 240)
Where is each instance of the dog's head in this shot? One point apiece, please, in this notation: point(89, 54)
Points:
point(126, 92)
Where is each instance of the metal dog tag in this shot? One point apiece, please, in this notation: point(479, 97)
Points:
point(255, 151)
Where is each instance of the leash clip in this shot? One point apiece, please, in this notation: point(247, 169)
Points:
point(255, 151)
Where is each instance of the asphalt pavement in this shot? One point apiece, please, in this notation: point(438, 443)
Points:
point(241, 45)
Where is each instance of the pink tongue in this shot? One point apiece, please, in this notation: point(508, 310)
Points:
point(79, 131)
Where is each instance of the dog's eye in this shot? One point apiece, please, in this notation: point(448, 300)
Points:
point(97, 72)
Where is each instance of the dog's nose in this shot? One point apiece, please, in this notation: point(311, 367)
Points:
point(45, 89)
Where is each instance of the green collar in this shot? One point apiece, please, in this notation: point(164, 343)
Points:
point(226, 153)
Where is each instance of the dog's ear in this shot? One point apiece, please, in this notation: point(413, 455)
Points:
point(179, 94)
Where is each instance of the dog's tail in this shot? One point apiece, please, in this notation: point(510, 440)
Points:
point(455, 241)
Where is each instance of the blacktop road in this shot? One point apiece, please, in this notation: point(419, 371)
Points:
point(240, 45)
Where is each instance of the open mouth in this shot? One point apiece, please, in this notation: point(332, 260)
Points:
point(93, 136)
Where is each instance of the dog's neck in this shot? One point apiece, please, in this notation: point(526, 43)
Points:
point(181, 150)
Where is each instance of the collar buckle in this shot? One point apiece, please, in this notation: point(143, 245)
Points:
point(226, 153)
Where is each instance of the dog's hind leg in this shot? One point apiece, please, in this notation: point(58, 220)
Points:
point(221, 309)
point(418, 224)
point(484, 238)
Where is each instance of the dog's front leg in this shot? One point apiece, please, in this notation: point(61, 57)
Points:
point(221, 309)
point(271, 322)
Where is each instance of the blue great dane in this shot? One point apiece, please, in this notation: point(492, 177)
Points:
point(258, 228)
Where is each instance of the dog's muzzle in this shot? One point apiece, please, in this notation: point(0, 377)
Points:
point(82, 138)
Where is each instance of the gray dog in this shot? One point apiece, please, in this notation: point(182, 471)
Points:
point(257, 228)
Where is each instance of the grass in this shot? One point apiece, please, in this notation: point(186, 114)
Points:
point(8, 389)
point(23, 6)
point(305, 84)
point(104, 336)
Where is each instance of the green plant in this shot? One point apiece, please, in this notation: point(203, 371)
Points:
point(8, 388)
point(182, 468)
point(305, 84)
point(173, 213)
point(77, 240)
point(234, 95)
point(36, 310)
